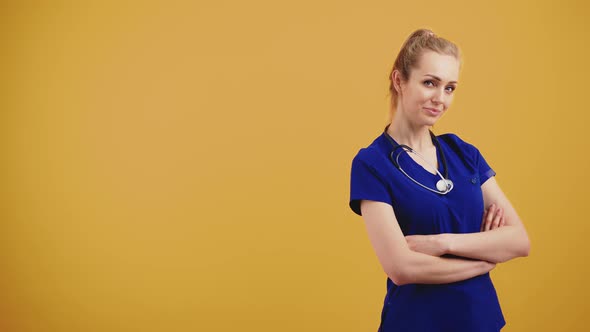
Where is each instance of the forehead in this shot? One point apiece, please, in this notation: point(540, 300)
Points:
point(441, 65)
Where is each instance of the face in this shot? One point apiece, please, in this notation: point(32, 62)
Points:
point(429, 91)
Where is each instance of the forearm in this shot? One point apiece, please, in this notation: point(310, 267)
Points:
point(498, 245)
point(425, 269)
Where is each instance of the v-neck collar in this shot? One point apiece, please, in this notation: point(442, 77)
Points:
point(413, 163)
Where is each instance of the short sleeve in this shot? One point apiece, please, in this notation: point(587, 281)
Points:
point(484, 169)
point(366, 183)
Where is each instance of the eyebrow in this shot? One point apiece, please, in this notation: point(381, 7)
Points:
point(438, 78)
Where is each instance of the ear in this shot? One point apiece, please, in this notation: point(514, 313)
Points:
point(397, 82)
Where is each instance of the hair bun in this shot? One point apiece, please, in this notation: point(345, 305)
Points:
point(427, 32)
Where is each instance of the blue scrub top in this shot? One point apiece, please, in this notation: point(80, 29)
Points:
point(469, 305)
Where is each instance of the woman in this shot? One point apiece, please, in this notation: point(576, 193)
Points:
point(436, 217)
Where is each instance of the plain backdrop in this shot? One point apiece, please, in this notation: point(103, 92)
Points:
point(185, 166)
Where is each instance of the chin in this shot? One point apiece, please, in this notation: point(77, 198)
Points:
point(430, 122)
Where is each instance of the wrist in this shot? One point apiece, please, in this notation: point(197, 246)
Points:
point(488, 266)
point(445, 242)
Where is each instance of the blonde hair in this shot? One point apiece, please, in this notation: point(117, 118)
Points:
point(418, 42)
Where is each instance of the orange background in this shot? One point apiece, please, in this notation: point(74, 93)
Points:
point(185, 167)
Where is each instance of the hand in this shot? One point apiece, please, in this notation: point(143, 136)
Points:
point(492, 218)
point(433, 245)
point(488, 266)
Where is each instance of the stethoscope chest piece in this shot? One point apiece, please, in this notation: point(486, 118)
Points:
point(444, 185)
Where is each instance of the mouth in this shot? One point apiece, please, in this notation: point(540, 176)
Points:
point(433, 111)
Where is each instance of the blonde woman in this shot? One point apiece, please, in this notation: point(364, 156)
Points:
point(435, 215)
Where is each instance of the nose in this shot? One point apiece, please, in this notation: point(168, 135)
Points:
point(438, 96)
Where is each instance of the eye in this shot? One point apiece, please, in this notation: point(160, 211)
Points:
point(429, 81)
point(452, 88)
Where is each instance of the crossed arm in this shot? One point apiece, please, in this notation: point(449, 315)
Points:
point(502, 237)
point(404, 265)
point(416, 258)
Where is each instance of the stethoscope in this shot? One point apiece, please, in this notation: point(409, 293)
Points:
point(444, 185)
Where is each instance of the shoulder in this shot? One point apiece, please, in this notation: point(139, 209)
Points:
point(373, 154)
point(454, 139)
point(367, 155)
point(459, 145)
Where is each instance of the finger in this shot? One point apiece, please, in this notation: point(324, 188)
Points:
point(490, 216)
point(496, 220)
point(497, 217)
point(502, 221)
point(484, 220)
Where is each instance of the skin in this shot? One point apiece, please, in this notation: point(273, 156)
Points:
point(417, 258)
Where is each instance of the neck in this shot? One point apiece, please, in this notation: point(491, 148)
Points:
point(416, 137)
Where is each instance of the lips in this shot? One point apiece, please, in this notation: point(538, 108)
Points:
point(433, 111)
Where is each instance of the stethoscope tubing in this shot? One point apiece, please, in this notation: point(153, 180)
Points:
point(446, 182)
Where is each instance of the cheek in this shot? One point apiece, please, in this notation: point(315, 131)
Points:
point(449, 101)
point(424, 93)
point(424, 97)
